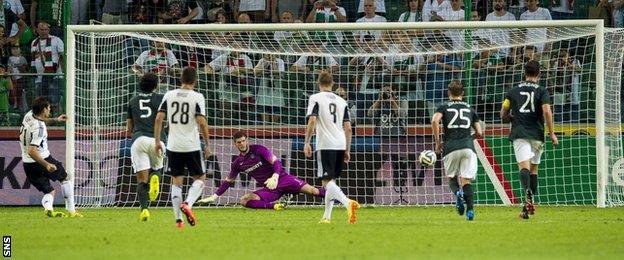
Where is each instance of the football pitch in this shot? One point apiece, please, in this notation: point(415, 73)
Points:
point(294, 233)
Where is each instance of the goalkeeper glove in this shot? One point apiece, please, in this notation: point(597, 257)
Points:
point(210, 199)
point(271, 183)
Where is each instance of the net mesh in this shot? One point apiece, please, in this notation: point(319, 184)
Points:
point(260, 81)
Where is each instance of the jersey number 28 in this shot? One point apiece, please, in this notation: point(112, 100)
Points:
point(183, 110)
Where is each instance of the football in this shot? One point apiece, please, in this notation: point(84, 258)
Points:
point(427, 158)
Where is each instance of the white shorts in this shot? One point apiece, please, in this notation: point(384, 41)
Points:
point(143, 154)
point(462, 163)
point(526, 149)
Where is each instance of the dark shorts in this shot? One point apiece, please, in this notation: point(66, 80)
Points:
point(39, 177)
point(287, 184)
point(329, 163)
point(192, 161)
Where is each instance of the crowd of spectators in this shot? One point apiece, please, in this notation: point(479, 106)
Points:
point(250, 87)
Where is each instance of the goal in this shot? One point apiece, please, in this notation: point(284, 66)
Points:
point(257, 77)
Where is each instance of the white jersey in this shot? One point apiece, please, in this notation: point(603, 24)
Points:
point(331, 112)
point(182, 106)
point(33, 133)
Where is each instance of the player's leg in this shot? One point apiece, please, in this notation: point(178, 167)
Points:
point(451, 168)
point(156, 164)
point(524, 154)
point(468, 172)
point(67, 186)
point(536, 147)
point(176, 170)
point(35, 176)
point(322, 164)
point(314, 191)
point(262, 199)
point(196, 168)
point(140, 164)
point(195, 164)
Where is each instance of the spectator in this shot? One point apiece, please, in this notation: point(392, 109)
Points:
point(293, 7)
point(389, 113)
point(194, 13)
point(16, 7)
point(147, 11)
point(314, 64)
point(287, 39)
point(4, 41)
point(342, 92)
point(380, 7)
point(234, 90)
point(455, 13)
point(602, 10)
point(5, 87)
point(41, 10)
point(500, 37)
point(482, 34)
point(565, 87)
point(433, 8)
point(534, 12)
point(258, 10)
point(413, 13)
point(47, 58)
point(160, 61)
point(369, 17)
point(176, 12)
point(369, 70)
point(18, 64)
point(490, 84)
point(441, 69)
point(222, 17)
point(516, 7)
point(326, 11)
point(115, 12)
point(618, 13)
point(562, 10)
point(80, 12)
point(270, 71)
point(306, 7)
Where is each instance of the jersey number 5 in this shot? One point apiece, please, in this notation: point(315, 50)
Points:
point(464, 121)
point(143, 106)
point(183, 109)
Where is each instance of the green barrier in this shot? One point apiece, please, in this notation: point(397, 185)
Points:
point(567, 173)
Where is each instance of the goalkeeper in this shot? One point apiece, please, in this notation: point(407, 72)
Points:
point(262, 165)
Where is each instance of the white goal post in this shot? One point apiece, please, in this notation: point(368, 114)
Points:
point(90, 90)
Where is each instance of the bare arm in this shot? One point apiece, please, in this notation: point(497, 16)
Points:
point(33, 153)
point(348, 134)
point(504, 112)
point(435, 127)
point(478, 130)
point(548, 116)
point(33, 13)
point(130, 125)
point(203, 125)
point(310, 129)
point(158, 122)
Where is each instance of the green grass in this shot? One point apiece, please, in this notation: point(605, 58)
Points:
point(390, 233)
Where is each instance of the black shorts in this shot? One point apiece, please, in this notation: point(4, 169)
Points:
point(192, 161)
point(39, 177)
point(329, 163)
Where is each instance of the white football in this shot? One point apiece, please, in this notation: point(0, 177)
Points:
point(427, 158)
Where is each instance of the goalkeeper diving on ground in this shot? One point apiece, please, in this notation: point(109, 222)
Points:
point(262, 165)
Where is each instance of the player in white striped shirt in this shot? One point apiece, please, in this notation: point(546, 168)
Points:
point(329, 116)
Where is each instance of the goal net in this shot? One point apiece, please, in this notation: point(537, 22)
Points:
point(258, 78)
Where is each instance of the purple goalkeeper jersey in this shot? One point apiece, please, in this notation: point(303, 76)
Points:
point(257, 163)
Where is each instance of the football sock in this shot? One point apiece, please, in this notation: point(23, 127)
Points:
point(194, 192)
point(259, 204)
point(454, 185)
point(534, 183)
point(468, 196)
point(142, 194)
point(322, 192)
point(337, 193)
point(47, 201)
point(329, 205)
point(176, 199)
point(68, 193)
point(524, 179)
